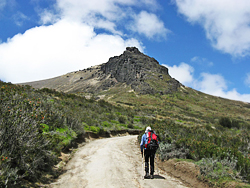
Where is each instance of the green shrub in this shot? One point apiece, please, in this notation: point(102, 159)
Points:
point(45, 128)
point(216, 168)
point(94, 129)
point(225, 122)
point(26, 149)
point(114, 121)
point(137, 127)
point(137, 119)
point(235, 124)
point(106, 124)
point(122, 119)
point(130, 126)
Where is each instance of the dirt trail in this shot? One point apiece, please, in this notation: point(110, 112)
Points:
point(112, 162)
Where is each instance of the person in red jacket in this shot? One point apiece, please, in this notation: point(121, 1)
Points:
point(148, 154)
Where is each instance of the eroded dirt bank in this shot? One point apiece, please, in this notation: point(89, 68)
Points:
point(112, 162)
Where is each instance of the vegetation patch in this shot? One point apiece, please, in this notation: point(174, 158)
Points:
point(37, 125)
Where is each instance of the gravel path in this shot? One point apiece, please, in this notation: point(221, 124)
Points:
point(111, 163)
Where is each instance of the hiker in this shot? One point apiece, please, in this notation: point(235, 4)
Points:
point(149, 151)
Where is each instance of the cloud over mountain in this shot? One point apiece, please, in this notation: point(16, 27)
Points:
point(226, 22)
point(71, 34)
point(46, 51)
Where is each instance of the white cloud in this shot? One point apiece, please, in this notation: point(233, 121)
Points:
point(149, 25)
point(48, 51)
point(226, 22)
point(109, 26)
point(84, 10)
point(247, 80)
point(108, 9)
point(150, 3)
point(202, 61)
point(48, 17)
point(19, 18)
point(216, 85)
point(233, 94)
point(183, 73)
point(213, 84)
point(93, 11)
point(67, 40)
point(108, 14)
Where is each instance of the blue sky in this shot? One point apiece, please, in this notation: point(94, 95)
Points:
point(205, 44)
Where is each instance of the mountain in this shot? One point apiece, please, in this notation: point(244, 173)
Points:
point(136, 80)
point(132, 70)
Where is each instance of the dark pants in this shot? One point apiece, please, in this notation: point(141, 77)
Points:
point(149, 154)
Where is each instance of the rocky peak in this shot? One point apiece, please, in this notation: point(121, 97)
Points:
point(133, 50)
point(136, 69)
point(131, 62)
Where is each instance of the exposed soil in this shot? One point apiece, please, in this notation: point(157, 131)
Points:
point(185, 171)
point(111, 162)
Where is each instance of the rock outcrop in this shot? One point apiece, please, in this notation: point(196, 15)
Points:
point(136, 69)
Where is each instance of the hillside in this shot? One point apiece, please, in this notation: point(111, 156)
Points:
point(138, 81)
point(130, 91)
point(37, 125)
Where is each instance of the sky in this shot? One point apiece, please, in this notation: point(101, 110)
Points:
point(204, 44)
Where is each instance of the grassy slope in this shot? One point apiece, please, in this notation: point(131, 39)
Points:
point(188, 122)
point(187, 106)
point(36, 125)
point(212, 131)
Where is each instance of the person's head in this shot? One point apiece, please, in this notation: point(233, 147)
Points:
point(148, 129)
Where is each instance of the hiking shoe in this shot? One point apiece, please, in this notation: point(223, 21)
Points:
point(147, 176)
point(151, 176)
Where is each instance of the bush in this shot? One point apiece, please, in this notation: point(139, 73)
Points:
point(106, 124)
point(122, 119)
point(216, 168)
point(26, 150)
point(94, 129)
point(225, 122)
point(236, 124)
point(169, 151)
point(130, 126)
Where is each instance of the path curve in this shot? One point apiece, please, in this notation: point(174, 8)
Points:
point(111, 162)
